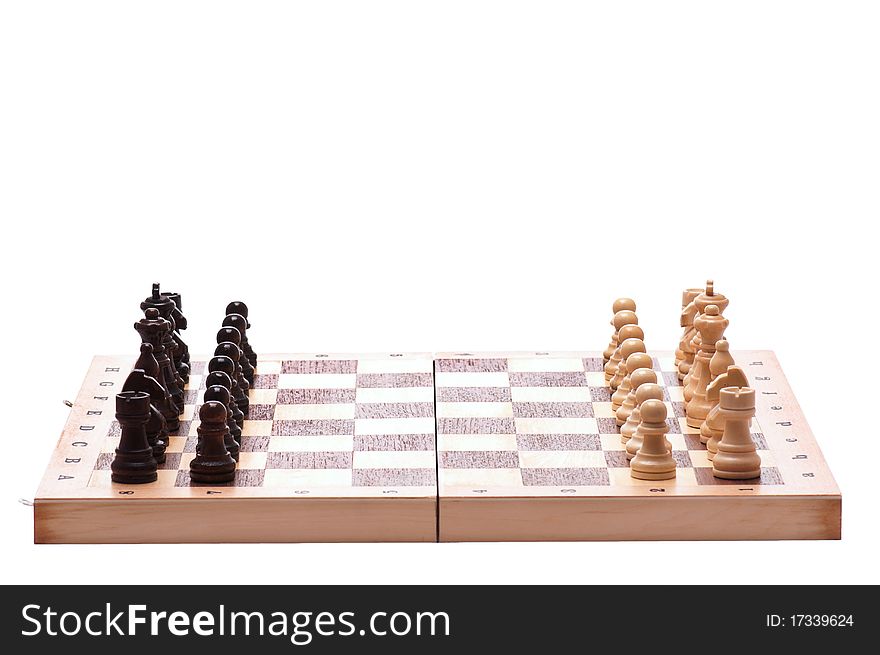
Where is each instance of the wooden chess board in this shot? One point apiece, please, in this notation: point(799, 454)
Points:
point(452, 447)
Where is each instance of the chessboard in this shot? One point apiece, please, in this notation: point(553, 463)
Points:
point(448, 447)
point(528, 449)
point(335, 448)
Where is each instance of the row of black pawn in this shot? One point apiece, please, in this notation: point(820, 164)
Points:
point(148, 409)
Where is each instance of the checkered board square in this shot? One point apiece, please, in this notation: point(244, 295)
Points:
point(519, 422)
point(317, 423)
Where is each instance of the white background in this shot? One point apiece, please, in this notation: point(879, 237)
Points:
point(377, 176)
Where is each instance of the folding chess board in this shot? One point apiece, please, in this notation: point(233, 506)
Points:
point(452, 447)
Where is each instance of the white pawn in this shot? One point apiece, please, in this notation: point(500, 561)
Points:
point(640, 380)
point(654, 460)
point(627, 348)
point(634, 362)
point(621, 304)
point(645, 393)
point(636, 379)
point(630, 331)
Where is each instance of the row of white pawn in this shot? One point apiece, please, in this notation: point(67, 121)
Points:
point(718, 400)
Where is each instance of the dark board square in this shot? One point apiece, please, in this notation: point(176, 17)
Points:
point(261, 412)
point(190, 396)
point(254, 444)
point(395, 380)
point(553, 410)
point(670, 379)
point(309, 460)
point(488, 365)
point(103, 462)
point(678, 409)
point(760, 441)
point(249, 478)
point(692, 441)
point(473, 394)
point(616, 459)
point(396, 442)
point(682, 459)
point(265, 381)
point(674, 427)
point(294, 428)
point(594, 364)
point(171, 463)
point(607, 426)
point(396, 477)
point(479, 459)
point(197, 368)
point(548, 379)
point(243, 478)
point(183, 429)
point(394, 410)
point(600, 394)
point(315, 396)
point(557, 477)
point(476, 426)
point(558, 442)
point(319, 366)
point(115, 429)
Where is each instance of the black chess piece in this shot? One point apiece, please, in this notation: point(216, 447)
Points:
point(173, 348)
point(240, 388)
point(241, 324)
point(134, 462)
point(148, 364)
point(223, 364)
point(180, 324)
point(221, 379)
point(212, 464)
point(154, 330)
point(233, 335)
point(156, 428)
point(238, 307)
point(221, 395)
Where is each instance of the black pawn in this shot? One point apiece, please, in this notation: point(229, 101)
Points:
point(156, 428)
point(148, 364)
point(220, 379)
point(221, 395)
point(212, 464)
point(240, 323)
point(240, 386)
point(134, 462)
point(238, 307)
point(233, 335)
point(225, 366)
